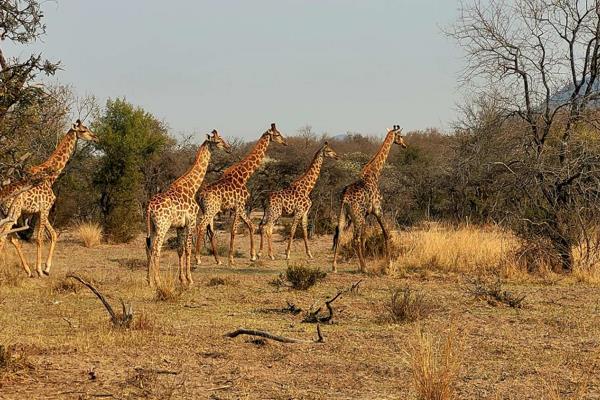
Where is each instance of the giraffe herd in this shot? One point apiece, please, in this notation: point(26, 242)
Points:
point(177, 206)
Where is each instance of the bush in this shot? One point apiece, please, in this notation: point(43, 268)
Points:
point(407, 305)
point(303, 277)
point(90, 233)
point(130, 138)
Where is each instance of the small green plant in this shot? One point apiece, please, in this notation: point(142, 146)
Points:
point(303, 277)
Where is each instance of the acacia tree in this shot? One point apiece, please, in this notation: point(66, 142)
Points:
point(20, 23)
point(539, 60)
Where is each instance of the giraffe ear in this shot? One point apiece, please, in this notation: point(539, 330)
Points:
point(214, 132)
point(273, 125)
point(78, 122)
point(208, 136)
point(326, 144)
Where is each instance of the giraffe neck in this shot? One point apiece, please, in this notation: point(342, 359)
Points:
point(57, 161)
point(307, 181)
point(244, 169)
point(193, 178)
point(372, 170)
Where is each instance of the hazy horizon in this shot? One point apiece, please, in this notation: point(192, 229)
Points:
point(237, 66)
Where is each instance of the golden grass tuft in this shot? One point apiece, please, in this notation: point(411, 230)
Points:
point(90, 233)
point(167, 291)
point(142, 322)
point(11, 274)
point(461, 249)
point(434, 366)
point(64, 285)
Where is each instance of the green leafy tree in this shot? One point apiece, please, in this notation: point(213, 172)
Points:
point(129, 139)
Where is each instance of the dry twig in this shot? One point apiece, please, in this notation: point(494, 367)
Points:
point(123, 320)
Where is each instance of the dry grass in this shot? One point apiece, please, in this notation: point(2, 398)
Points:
point(90, 233)
point(167, 290)
point(461, 249)
point(11, 274)
point(434, 365)
point(407, 305)
point(506, 353)
point(64, 285)
point(143, 322)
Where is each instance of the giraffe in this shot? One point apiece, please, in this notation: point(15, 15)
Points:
point(230, 193)
point(40, 198)
point(177, 207)
point(294, 200)
point(362, 198)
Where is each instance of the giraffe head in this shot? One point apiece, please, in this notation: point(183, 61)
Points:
point(275, 135)
point(398, 138)
point(329, 152)
point(215, 140)
point(83, 132)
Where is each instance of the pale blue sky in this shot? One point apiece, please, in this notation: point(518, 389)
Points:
point(238, 65)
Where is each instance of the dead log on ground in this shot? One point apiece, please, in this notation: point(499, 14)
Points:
point(268, 335)
point(121, 321)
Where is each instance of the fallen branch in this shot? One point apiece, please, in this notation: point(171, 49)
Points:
point(156, 371)
point(267, 335)
point(313, 317)
point(122, 321)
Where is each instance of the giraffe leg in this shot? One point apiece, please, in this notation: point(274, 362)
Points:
point(213, 243)
point(154, 261)
point(189, 235)
point(53, 238)
point(357, 239)
point(305, 234)
point(17, 245)
point(261, 231)
point(234, 225)
point(291, 238)
point(181, 256)
point(269, 233)
point(250, 226)
point(358, 220)
point(386, 236)
point(39, 239)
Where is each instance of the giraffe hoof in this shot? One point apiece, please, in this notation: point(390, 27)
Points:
point(47, 273)
point(253, 259)
point(272, 258)
point(310, 256)
point(219, 263)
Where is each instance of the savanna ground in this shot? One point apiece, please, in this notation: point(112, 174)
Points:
point(63, 346)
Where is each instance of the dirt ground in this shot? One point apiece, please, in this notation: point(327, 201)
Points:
point(64, 348)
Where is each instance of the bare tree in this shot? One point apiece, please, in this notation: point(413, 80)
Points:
point(539, 59)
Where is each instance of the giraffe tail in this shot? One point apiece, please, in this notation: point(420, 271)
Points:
point(148, 230)
point(342, 225)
